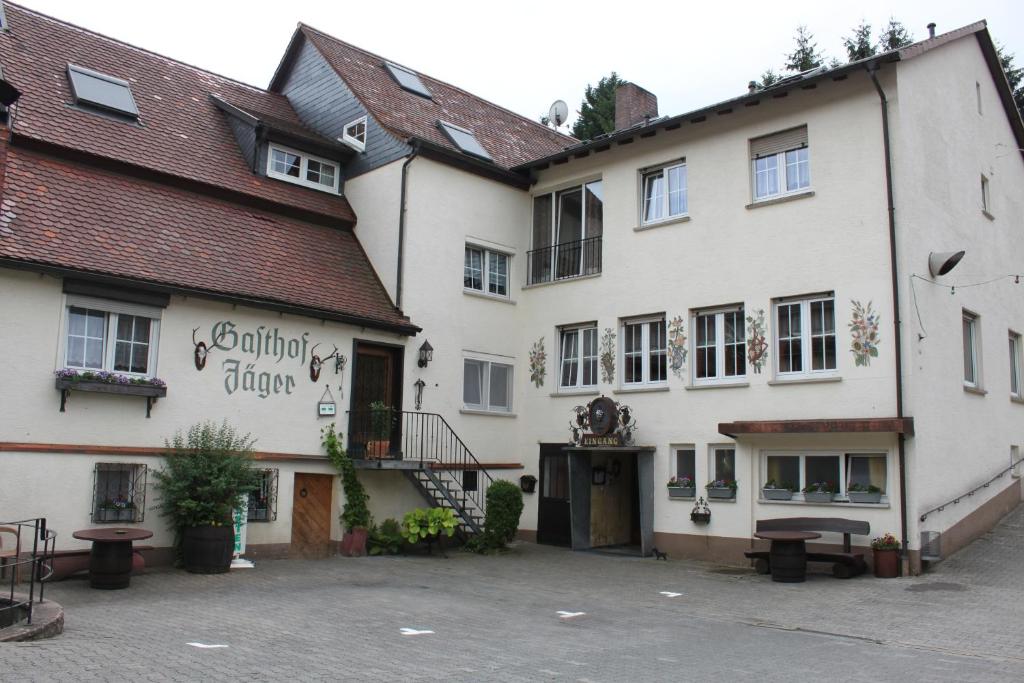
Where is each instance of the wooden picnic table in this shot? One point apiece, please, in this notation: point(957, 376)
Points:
point(788, 554)
point(110, 562)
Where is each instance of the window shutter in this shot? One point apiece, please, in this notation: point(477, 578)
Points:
point(793, 138)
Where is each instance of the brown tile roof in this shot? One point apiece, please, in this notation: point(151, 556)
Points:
point(182, 132)
point(68, 215)
point(509, 138)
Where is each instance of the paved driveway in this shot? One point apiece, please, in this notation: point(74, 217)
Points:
point(496, 618)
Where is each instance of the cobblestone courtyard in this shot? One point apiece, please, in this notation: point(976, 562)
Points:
point(496, 618)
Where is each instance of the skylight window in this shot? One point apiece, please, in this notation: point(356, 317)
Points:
point(408, 79)
point(464, 140)
point(101, 91)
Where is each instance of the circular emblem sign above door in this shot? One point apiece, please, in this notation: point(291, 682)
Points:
point(604, 416)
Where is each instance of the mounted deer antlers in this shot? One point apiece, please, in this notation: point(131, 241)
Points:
point(316, 363)
point(202, 351)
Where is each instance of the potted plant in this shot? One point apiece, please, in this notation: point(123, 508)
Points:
point(380, 430)
point(119, 509)
point(887, 556)
point(355, 515)
point(208, 473)
point(721, 488)
point(385, 539)
point(775, 491)
point(681, 487)
point(859, 493)
point(819, 492)
point(430, 525)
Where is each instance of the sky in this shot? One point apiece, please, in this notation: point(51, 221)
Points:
point(524, 55)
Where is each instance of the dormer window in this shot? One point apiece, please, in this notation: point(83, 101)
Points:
point(302, 169)
point(95, 90)
point(409, 80)
point(464, 140)
point(355, 134)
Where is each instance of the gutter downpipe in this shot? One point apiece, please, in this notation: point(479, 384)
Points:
point(401, 223)
point(872, 69)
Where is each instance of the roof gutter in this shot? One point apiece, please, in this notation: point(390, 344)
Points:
point(401, 223)
point(872, 71)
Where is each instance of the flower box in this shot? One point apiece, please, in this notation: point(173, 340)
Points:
point(777, 494)
point(818, 496)
point(865, 496)
point(115, 515)
point(682, 491)
point(150, 390)
point(721, 493)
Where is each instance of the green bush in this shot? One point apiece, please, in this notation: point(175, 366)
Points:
point(422, 523)
point(385, 539)
point(208, 472)
point(356, 513)
point(504, 507)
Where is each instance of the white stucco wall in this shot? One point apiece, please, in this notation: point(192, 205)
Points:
point(375, 197)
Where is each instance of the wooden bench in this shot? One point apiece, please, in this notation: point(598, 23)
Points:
point(69, 562)
point(845, 565)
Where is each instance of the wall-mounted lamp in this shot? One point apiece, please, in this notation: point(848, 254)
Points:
point(941, 262)
point(426, 354)
point(419, 384)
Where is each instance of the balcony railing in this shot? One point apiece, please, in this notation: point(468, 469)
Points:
point(564, 261)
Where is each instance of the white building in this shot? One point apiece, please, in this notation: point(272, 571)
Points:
point(751, 279)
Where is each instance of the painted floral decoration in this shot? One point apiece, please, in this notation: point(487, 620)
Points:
point(608, 356)
point(864, 333)
point(757, 345)
point(538, 363)
point(677, 345)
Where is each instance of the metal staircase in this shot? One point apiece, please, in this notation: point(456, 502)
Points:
point(430, 453)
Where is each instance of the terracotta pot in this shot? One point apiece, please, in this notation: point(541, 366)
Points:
point(353, 543)
point(887, 564)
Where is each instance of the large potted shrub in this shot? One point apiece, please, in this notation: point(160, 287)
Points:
point(682, 487)
point(773, 490)
point(355, 515)
point(208, 472)
point(886, 551)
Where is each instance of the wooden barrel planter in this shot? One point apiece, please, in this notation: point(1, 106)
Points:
point(788, 562)
point(111, 565)
point(208, 549)
point(887, 563)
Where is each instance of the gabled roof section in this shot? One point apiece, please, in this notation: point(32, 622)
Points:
point(806, 80)
point(76, 219)
point(509, 139)
point(297, 133)
point(179, 131)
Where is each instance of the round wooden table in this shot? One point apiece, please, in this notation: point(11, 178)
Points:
point(787, 557)
point(110, 563)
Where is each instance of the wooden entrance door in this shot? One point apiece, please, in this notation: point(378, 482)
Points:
point(376, 378)
point(553, 518)
point(311, 515)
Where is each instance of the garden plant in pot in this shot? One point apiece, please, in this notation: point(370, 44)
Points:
point(430, 525)
point(887, 556)
point(681, 487)
point(355, 515)
point(380, 428)
point(819, 492)
point(859, 493)
point(722, 488)
point(208, 472)
point(773, 490)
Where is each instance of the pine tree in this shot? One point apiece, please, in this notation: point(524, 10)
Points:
point(768, 79)
point(1014, 76)
point(858, 46)
point(894, 36)
point(597, 111)
point(806, 55)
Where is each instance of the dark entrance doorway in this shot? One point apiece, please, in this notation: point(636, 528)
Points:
point(553, 520)
point(376, 382)
point(311, 515)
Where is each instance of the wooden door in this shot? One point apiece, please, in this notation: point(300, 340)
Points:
point(311, 515)
point(553, 518)
point(376, 378)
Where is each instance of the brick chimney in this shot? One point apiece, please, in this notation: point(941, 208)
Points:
point(633, 105)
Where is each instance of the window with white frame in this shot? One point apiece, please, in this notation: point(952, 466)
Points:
point(723, 463)
point(111, 336)
point(686, 463)
point(302, 169)
point(780, 164)
point(720, 350)
point(1015, 364)
point(355, 134)
point(578, 357)
point(972, 364)
point(664, 193)
point(487, 385)
point(567, 230)
point(486, 271)
point(835, 472)
point(805, 332)
point(644, 352)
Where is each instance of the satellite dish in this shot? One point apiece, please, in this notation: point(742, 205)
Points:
point(558, 113)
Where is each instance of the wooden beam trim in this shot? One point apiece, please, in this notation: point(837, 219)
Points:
point(892, 425)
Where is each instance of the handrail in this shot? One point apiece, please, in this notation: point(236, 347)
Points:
point(36, 560)
point(564, 261)
point(970, 493)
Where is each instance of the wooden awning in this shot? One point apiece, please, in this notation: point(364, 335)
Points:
point(871, 425)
